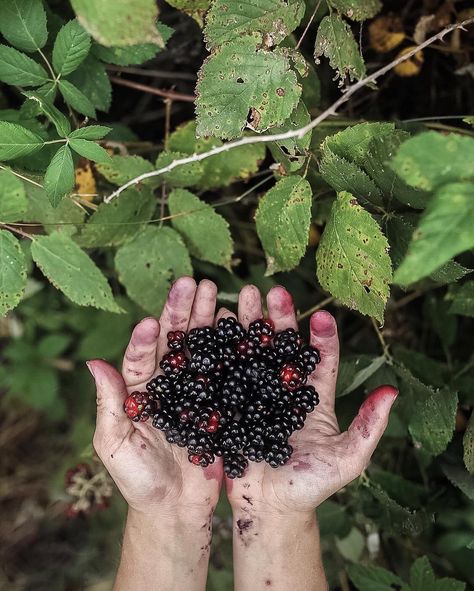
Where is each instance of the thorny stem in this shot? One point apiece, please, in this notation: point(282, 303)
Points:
point(383, 342)
point(297, 133)
point(170, 94)
point(308, 25)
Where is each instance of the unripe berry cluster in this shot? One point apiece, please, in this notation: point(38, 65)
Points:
point(231, 392)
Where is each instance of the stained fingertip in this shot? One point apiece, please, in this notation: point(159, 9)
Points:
point(146, 332)
point(208, 286)
point(323, 324)
point(281, 299)
point(223, 313)
point(182, 287)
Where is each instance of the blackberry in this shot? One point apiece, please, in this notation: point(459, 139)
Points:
point(199, 442)
point(234, 465)
point(174, 363)
point(262, 331)
point(279, 430)
point(292, 376)
point(203, 362)
point(233, 392)
point(163, 421)
point(159, 385)
point(176, 340)
point(229, 330)
point(287, 343)
point(203, 459)
point(201, 339)
point(277, 455)
point(307, 398)
point(139, 406)
point(232, 437)
point(296, 416)
point(254, 453)
point(309, 358)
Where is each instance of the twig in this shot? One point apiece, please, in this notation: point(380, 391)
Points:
point(315, 308)
point(170, 94)
point(17, 231)
point(297, 133)
point(20, 176)
point(385, 346)
point(303, 35)
point(151, 73)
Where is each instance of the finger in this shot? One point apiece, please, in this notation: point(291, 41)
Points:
point(366, 430)
point(250, 305)
point(139, 361)
point(224, 313)
point(281, 309)
point(177, 310)
point(112, 422)
point(204, 305)
point(324, 337)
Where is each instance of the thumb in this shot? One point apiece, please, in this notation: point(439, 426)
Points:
point(112, 422)
point(367, 429)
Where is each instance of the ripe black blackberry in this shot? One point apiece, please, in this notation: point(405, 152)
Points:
point(199, 442)
point(229, 330)
point(159, 385)
point(277, 455)
point(173, 363)
point(234, 465)
point(287, 343)
point(309, 357)
point(176, 340)
point(254, 453)
point(203, 361)
point(232, 437)
point(163, 421)
point(307, 398)
point(261, 331)
point(201, 339)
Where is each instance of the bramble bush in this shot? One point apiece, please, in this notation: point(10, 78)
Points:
point(110, 189)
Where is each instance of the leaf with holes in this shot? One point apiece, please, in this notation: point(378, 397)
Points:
point(13, 201)
point(205, 232)
point(186, 175)
point(17, 141)
point(353, 263)
point(18, 69)
point(292, 153)
point(23, 24)
point(357, 10)
point(228, 20)
point(336, 41)
point(283, 218)
point(71, 271)
point(59, 177)
point(242, 85)
point(12, 272)
point(121, 169)
point(119, 22)
point(149, 263)
point(194, 8)
point(70, 48)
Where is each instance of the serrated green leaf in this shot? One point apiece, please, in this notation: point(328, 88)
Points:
point(149, 263)
point(23, 24)
point(186, 175)
point(59, 177)
point(228, 20)
point(91, 132)
point(242, 85)
point(374, 578)
point(194, 8)
point(16, 141)
point(292, 153)
point(71, 271)
point(134, 54)
point(119, 22)
point(357, 10)
point(218, 170)
point(205, 232)
point(283, 218)
point(358, 371)
point(114, 223)
point(91, 77)
point(403, 491)
point(70, 48)
point(121, 169)
point(459, 477)
point(18, 69)
point(76, 99)
point(90, 150)
point(423, 578)
point(13, 201)
point(468, 444)
point(60, 121)
point(336, 41)
point(445, 230)
point(353, 263)
point(463, 300)
point(12, 272)
point(332, 519)
point(431, 159)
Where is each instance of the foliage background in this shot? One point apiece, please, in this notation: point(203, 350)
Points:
point(111, 264)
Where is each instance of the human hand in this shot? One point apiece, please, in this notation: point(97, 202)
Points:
point(154, 476)
point(324, 459)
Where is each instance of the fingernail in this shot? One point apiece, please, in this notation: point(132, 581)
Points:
point(323, 324)
point(90, 368)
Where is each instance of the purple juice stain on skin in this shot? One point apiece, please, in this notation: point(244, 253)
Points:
point(268, 583)
point(301, 466)
point(248, 499)
point(143, 445)
point(244, 525)
point(290, 482)
point(211, 472)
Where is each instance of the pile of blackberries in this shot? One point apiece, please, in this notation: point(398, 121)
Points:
point(232, 393)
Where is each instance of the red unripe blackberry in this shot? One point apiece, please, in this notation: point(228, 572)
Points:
point(291, 376)
point(176, 340)
point(174, 362)
point(138, 406)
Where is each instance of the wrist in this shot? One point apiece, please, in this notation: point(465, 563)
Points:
point(173, 518)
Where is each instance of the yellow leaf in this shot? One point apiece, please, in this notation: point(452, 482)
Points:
point(85, 182)
point(385, 33)
point(411, 66)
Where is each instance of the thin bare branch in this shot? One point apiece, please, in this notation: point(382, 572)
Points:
point(167, 94)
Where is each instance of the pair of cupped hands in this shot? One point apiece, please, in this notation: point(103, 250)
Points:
point(156, 477)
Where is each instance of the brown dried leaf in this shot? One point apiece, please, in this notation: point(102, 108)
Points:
point(385, 33)
point(411, 66)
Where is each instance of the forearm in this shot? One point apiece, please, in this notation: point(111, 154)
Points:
point(277, 552)
point(164, 553)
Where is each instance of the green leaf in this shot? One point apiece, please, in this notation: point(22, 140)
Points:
point(70, 48)
point(91, 132)
point(205, 232)
point(23, 24)
point(353, 263)
point(357, 10)
point(12, 272)
point(16, 141)
point(460, 477)
point(228, 20)
point(18, 69)
point(60, 121)
point(333, 519)
point(186, 175)
point(336, 41)
point(194, 8)
point(405, 492)
point(121, 169)
point(59, 177)
point(292, 153)
point(71, 271)
point(431, 159)
point(149, 263)
point(283, 218)
point(374, 578)
point(63, 217)
point(90, 150)
point(218, 170)
point(114, 223)
point(13, 202)
point(91, 77)
point(463, 301)
point(53, 345)
point(468, 444)
point(134, 54)
point(445, 230)
point(422, 578)
point(241, 85)
point(351, 546)
point(76, 99)
point(355, 372)
point(119, 22)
